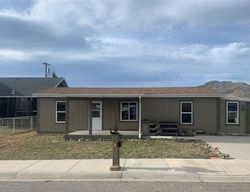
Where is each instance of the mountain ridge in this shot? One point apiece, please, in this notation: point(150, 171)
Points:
point(239, 89)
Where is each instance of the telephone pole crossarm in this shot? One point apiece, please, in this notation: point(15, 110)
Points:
point(46, 68)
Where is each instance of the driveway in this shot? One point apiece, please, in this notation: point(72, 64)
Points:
point(237, 146)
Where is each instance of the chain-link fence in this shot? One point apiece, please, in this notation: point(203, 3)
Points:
point(17, 124)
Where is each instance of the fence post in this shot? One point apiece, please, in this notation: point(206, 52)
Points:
point(13, 125)
point(31, 122)
point(21, 123)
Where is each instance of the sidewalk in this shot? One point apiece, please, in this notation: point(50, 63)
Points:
point(176, 170)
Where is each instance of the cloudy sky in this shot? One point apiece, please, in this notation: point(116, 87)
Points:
point(127, 42)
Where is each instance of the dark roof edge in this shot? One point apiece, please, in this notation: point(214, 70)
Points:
point(62, 79)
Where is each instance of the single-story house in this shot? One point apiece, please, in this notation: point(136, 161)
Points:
point(99, 109)
point(16, 94)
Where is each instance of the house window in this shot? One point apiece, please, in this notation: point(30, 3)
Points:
point(232, 110)
point(186, 112)
point(60, 111)
point(128, 111)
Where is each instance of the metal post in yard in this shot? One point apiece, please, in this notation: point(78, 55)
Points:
point(116, 141)
point(31, 122)
point(13, 125)
point(21, 123)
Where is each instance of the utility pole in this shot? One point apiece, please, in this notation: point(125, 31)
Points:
point(46, 68)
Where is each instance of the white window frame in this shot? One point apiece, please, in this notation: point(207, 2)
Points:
point(60, 111)
point(128, 111)
point(238, 112)
point(192, 112)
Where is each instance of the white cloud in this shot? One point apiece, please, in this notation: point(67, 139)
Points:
point(140, 14)
point(123, 47)
point(132, 35)
point(233, 51)
point(17, 55)
point(14, 55)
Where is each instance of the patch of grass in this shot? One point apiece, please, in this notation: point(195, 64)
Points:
point(43, 146)
point(164, 149)
point(6, 130)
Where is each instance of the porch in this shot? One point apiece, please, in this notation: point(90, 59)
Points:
point(104, 134)
point(91, 118)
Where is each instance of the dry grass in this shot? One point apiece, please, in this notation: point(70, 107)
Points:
point(35, 146)
point(7, 130)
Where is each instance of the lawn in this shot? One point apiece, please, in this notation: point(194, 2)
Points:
point(43, 146)
point(7, 130)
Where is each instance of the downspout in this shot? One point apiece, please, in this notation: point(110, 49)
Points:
point(140, 131)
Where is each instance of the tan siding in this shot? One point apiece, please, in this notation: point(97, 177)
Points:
point(154, 109)
point(241, 128)
point(248, 118)
point(78, 115)
point(111, 115)
point(160, 109)
point(46, 118)
point(205, 116)
point(168, 109)
point(218, 114)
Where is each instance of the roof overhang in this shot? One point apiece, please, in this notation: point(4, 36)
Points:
point(18, 96)
point(126, 95)
point(246, 99)
point(182, 95)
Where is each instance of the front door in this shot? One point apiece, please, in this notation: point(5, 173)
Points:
point(96, 115)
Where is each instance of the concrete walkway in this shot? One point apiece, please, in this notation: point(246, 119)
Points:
point(177, 170)
point(237, 146)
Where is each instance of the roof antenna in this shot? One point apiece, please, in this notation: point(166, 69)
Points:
point(46, 69)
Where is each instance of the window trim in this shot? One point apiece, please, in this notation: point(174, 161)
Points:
point(192, 112)
point(238, 112)
point(129, 120)
point(60, 112)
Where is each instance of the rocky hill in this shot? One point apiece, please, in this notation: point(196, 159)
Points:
point(239, 89)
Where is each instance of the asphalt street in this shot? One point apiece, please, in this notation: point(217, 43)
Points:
point(107, 186)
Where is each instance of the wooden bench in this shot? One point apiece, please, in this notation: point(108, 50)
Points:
point(165, 128)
